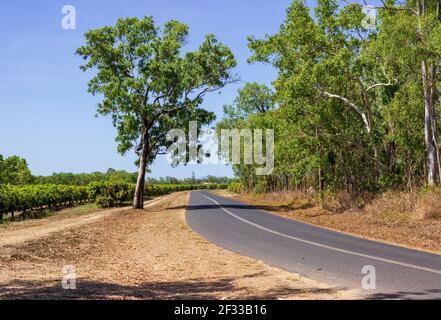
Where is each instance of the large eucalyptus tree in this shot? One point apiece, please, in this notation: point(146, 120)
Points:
point(149, 84)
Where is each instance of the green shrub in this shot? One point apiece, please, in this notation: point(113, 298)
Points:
point(110, 194)
point(235, 187)
point(105, 201)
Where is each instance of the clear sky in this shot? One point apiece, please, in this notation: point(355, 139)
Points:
point(46, 114)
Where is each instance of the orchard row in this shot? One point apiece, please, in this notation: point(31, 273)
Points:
point(31, 198)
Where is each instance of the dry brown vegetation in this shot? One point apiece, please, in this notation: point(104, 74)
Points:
point(406, 218)
point(127, 254)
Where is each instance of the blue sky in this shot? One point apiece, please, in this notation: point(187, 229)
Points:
point(46, 114)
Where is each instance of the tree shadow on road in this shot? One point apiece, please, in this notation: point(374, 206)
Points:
point(426, 294)
point(242, 207)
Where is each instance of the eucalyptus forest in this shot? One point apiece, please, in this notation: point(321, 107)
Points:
point(354, 107)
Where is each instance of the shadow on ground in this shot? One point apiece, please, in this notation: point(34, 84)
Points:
point(427, 294)
point(191, 289)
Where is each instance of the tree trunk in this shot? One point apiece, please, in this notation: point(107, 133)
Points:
point(429, 115)
point(138, 200)
point(370, 130)
point(428, 121)
point(378, 169)
point(433, 94)
point(435, 140)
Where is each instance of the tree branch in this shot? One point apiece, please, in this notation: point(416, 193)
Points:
point(382, 84)
point(353, 106)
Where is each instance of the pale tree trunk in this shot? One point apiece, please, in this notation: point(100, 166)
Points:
point(378, 168)
point(435, 143)
point(370, 129)
point(138, 200)
point(429, 110)
point(435, 139)
point(433, 93)
point(429, 121)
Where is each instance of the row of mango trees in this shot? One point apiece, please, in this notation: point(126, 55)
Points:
point(31, 198)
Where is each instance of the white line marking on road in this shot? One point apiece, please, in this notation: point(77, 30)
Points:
point(403, 264)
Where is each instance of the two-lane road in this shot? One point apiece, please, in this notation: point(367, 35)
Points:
point(321, 254)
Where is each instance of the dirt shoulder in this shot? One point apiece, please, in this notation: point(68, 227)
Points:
point(17, 233)
point(149, 254)
point(386, 226)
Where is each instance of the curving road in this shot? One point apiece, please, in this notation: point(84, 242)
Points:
point(321, 254)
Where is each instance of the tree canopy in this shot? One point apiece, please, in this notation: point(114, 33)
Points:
point(14, 170)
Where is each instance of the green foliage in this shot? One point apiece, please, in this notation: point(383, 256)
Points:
point(83, 179)
point(251, 99)
point(110, 194)
point(35, 197)
point(235, 187)
point(327, 122)
point(14, 170)
point(147, 81)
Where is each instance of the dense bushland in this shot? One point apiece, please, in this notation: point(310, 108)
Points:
point(354, 109)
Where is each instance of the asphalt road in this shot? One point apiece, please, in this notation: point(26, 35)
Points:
point(335, 258)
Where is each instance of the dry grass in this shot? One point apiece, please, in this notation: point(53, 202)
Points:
point(335, 203)
point(288, 199)
point(424, 205)
point(429, 205)
point(406, 218)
